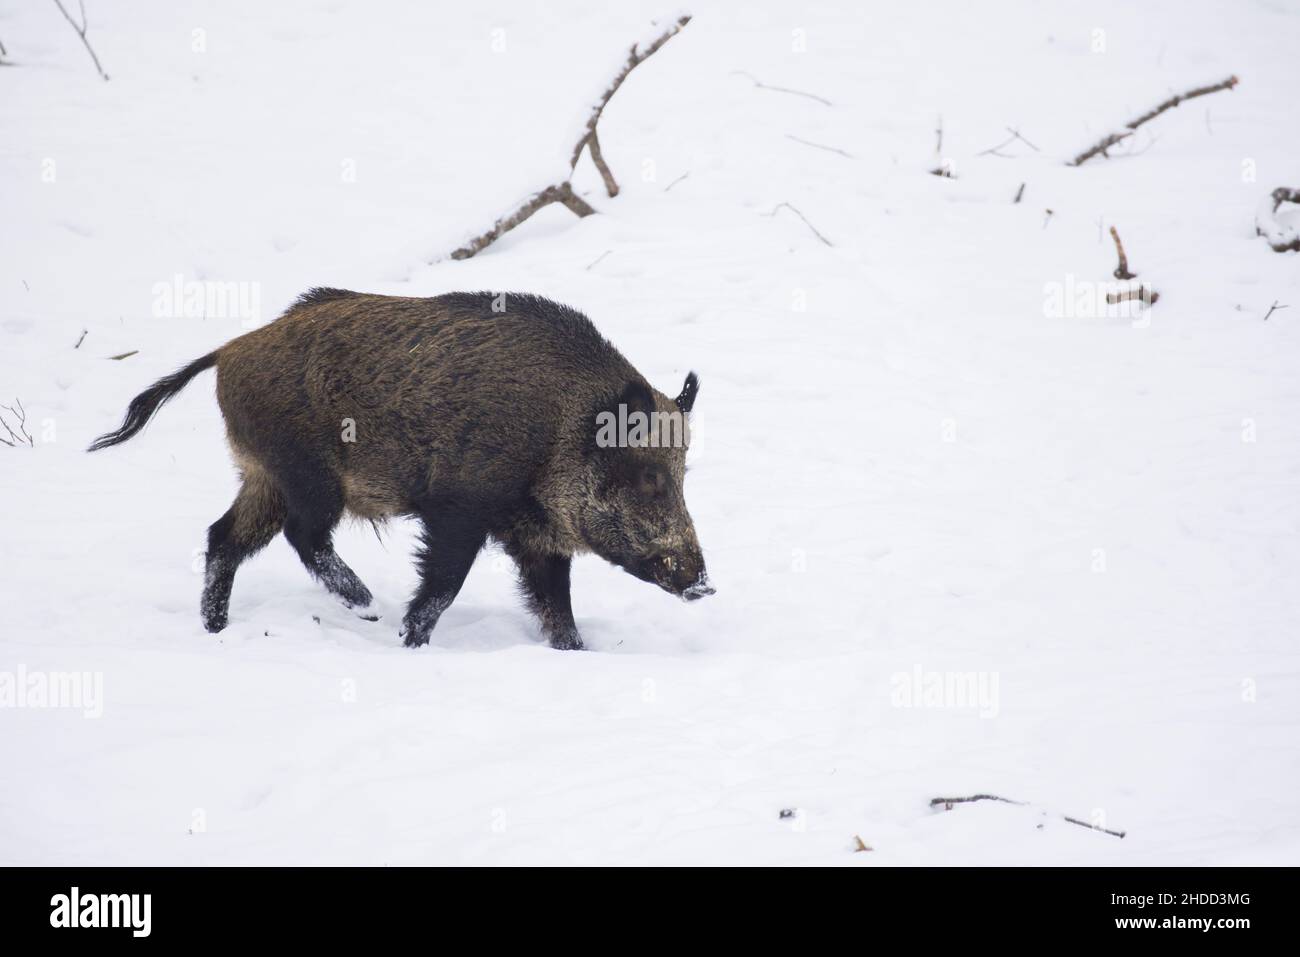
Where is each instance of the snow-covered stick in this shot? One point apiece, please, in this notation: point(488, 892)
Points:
point(948, 802)
point(1283, 238)
point(81, 32)
point(1108, 141)
point(563, 193)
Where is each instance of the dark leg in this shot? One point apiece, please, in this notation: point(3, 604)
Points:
point(545, 582)
point(251, 522)
point(315, 507)
point(450, 541)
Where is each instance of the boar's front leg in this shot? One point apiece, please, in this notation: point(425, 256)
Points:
point(545, 582)
point(449, 542)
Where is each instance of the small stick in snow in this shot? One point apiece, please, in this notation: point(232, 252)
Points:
point(1108, 141)
point(1143, 294)
point(125, 355)
point(1121, 271)
point(859, 845)
point(598, 259)
point(781, 89)
point(1019, 194)
point(948, 802)
point(1273, 308)
point(84, 333)
point(563, 193)
point(676, 181)
point(829, 149)
point(816, 232)
point(1015, 135)
point(1283, 238)
point(81, 32)
point(22, 436)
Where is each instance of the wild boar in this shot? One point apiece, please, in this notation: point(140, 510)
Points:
point(484, 416)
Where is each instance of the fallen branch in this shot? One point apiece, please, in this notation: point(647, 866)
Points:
point(781, 89)
point(1283, 238)
point(1121, 271)
point(815, 230)
point(1273, 308)
point(563, 193)
point(948, 802)
point(22, 436)
point(1110, 140)
point(81, 31)
point(635, 57)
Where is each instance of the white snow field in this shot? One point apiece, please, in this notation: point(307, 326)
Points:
point(908, 466)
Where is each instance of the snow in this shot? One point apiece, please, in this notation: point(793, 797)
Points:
point(901, 464)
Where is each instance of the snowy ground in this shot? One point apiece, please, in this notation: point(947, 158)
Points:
point(902, 462)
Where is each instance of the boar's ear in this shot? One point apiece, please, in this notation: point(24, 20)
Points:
point(686, 401)
point(637, 397)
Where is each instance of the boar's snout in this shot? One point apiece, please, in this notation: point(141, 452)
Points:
point(680, 573)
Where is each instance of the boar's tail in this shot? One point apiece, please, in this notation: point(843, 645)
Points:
point(144, 405)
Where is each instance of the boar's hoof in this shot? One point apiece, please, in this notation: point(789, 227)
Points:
point(568, 641)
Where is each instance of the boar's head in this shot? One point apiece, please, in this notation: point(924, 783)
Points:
point(635, 512)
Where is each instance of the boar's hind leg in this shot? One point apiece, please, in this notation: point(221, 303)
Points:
point(315, 507)
point(251, 522)
point(545, 582)
point(450, 540)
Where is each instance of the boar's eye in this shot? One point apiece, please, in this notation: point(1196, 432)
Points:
point(653, 481)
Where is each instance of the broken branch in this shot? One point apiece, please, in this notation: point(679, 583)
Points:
point(1109, 141)
point(782, 89)
point(563, 193)
point(22, 436)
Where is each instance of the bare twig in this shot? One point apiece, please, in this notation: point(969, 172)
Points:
point(81, 32)
point(1015, 135)
point(1283, 238)
point(859, 845)
point(22, 436)
point(125, 355)
point(782, 89)
point(84, 333)
point(829, 149)
point(598, 259)
point(1108, 141)
point(1121, 271)
point(1274, 308)
point(676, 181)
point(816, 232)
point(948, 802)
point(563, 193)
point(1019, 194)
point(635, 57)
